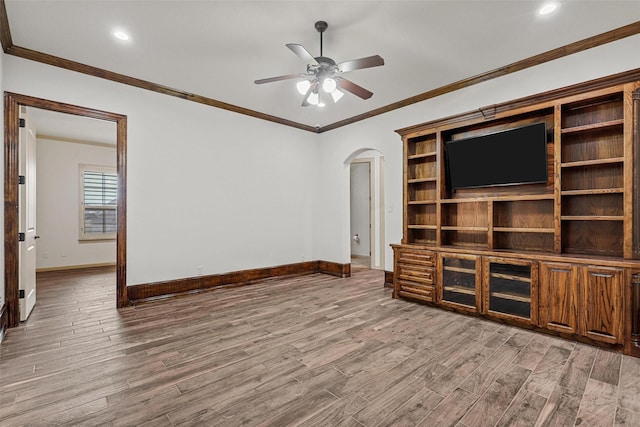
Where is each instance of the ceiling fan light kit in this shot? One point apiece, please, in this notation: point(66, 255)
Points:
point(323, 75)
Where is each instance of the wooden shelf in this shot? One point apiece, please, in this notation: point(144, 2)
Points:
point(511, 296)
point(463, 228)
point(591, 218)
point(422, 202)
point(421, 155)
point(511, 277)
point(592, 191)
point(594, 162)
point(421, 227)
point(593, 126)
point(523, 230)
point(417, 180)
point(460, 290)
point(459, 270)
point(509, 198)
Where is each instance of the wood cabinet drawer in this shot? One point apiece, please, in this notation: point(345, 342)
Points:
point(416, 257)
point(415, 290)
point(416, 273)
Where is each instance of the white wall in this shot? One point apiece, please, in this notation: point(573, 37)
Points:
point(205, 187)
point(58, 201)
point(331, 233)
point(228, 192)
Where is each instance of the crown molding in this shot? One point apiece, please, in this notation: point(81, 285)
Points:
point(5, 32)
point(569, 49)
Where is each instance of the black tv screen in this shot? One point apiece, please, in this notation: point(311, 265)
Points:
point(514, 156)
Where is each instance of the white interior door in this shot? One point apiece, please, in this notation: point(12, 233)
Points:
point(360, 209)
point(27, 216)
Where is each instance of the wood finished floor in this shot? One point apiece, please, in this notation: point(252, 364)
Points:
point(314, 351)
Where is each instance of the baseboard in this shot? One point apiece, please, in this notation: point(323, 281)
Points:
point(388, 279)
point(4, 321)
point(334, 269)
point(171, 288)
point(74, 267)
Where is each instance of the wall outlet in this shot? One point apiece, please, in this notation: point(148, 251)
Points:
point(199, 270)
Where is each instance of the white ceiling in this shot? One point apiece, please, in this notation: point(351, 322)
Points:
point(72, 128)
point(218, 48)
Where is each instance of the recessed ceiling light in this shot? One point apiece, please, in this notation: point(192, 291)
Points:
point(547, 8)
point(121, 35)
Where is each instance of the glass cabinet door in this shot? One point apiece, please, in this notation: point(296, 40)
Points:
point(459, 281)
point(510, 288)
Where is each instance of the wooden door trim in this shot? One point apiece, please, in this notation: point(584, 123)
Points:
point(12, 104)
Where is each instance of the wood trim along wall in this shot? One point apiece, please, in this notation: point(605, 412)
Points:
point(3, 321)
point(143, 84)
point(595, 84)
point(75, 267)
point(12, 104)
point(334, 269)
point(569, 49)
point(5, 31)
point(388, 279)
point(172, 288)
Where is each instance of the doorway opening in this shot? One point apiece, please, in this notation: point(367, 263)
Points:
point(13, 104)
point(366, 211)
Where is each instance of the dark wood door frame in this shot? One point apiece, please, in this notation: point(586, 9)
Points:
point(12, 104)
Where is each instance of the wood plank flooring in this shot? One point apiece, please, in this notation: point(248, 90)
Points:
point(314, 351)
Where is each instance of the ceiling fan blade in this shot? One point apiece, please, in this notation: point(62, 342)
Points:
point(302, 53)
point(278, 78)
point(358, 64)
point(350, 86)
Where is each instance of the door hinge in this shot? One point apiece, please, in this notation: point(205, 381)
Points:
point(22, 179)
point(21, 237)
point(21, 294)
point(22, 123)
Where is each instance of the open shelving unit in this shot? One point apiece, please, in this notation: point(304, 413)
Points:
point(421, 190)
point(556, 255)
point(592, 172)
point(583, 208)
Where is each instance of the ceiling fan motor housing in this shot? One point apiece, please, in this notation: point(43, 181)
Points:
point(325, 67)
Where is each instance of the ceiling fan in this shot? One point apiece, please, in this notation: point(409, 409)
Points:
point(323, 77)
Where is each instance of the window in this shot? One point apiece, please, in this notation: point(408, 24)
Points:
point(98, 197)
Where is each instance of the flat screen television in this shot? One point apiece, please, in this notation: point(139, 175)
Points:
point(510, 157)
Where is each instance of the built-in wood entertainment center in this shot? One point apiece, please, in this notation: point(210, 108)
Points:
point(563, 256)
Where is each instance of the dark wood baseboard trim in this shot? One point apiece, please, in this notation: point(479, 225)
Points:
point(3, 321)
point(76, 267)
point(334, 269)
point(171, 288)
point(388, 279)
